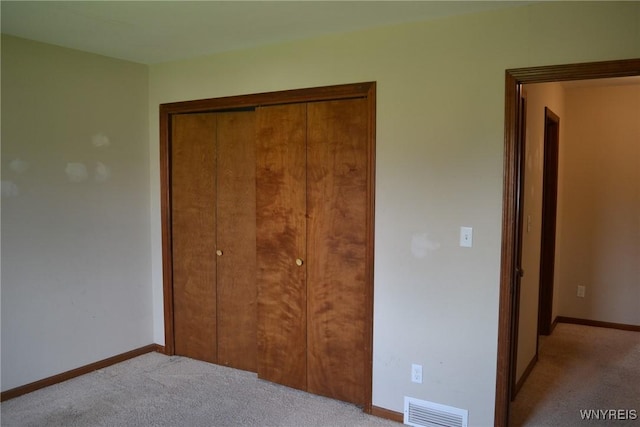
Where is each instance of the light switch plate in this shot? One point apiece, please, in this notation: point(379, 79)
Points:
point(581, 291)
point(466, 237)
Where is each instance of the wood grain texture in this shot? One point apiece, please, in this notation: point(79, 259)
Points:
point(387, 414)
point(507, 323)
point(345, 91)
point(339, 92)
point(167, 244)
point(193, 214)
point(337, 209)
point(236, 238)
point(280, 239)
point(549, 213)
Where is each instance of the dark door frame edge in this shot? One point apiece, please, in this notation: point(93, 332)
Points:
point(514, 78)
point(337, 92)
point(549, 212)
point(521, 146)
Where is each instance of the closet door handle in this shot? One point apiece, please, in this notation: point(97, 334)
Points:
point(219, 252)
point(299, 262)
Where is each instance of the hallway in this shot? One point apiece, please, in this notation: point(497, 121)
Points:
point(581, 368)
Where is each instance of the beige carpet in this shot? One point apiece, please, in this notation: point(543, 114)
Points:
point(582, 368)
point(157, 390)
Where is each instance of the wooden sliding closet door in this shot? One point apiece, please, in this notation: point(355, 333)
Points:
point(337, 159)
point(267, 229)
point(236, 240)
point(281, 208)
point(214, 237)
point(312, 225)
point(193, 228)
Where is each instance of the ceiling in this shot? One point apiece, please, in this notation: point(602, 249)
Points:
point(151, 32)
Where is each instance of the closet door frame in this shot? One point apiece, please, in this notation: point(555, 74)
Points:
point(366, 90)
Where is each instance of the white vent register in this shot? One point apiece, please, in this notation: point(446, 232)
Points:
point(422, 413)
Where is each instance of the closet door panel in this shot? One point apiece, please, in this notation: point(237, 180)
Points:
point(337, 160)
point(236, 240)
point(280, 204)
point(193, 223)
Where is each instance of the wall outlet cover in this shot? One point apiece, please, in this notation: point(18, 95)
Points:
point(416, 373)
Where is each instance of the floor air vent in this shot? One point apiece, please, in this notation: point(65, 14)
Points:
point(420, 413)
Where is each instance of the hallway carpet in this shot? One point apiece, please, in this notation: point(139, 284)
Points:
point(582, 368)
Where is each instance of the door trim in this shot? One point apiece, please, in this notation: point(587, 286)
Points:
point(549, 212)
point(348, 91)
point(514, 78)
point(522, 144)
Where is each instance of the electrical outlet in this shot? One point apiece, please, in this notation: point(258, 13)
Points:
point(416, 373)
point(581, 290)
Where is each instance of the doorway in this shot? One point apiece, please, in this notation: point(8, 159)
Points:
point(512, 198)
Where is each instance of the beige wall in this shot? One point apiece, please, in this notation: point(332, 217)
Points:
point(599, 221)
point(76, 282)
point(538, 97)
point(440, 119)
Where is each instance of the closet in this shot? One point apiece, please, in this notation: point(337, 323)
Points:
point(213, 230)
point(311, 246)
point(268, 235)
